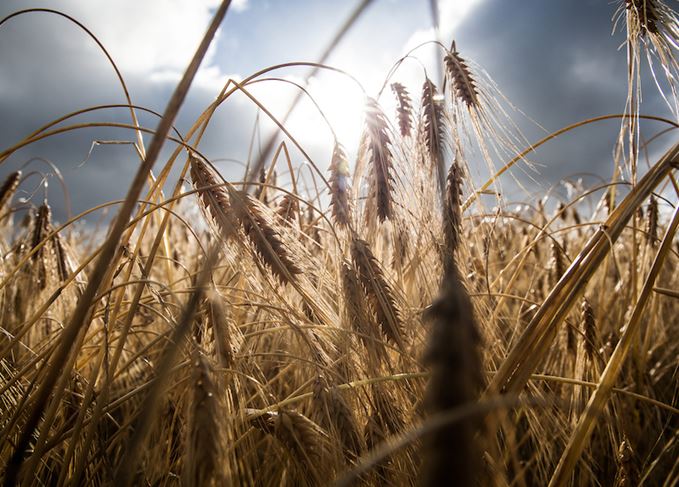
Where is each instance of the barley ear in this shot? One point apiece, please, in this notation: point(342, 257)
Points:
point(451, 454)
point(452, 216)
point(380, 160)
point(7, 191)
point(404, 109)
point(204, 442)
point(340, 188)
point(434, 130)
point(462, 83)
point(213, 196)
point(263, 236)
point(378, 291)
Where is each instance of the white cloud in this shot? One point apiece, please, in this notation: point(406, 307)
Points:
point(453, 12)
point(147, 36)
point(240, 5)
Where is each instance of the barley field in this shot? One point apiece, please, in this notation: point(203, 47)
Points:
point(385, 325)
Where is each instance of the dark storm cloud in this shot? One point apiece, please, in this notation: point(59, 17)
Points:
point(46, 74)
point(555, 60)
point(559, 63)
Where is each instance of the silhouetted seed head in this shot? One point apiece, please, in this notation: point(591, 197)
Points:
point(335, 415)
point(652, 219)
point(204, 436)
point(571, 338)
point(558, 266)
point(589, 329)
point(306, 442)
point(404, 109)
point(41, 228)
point(461, 79)
point(64, 266)
point(288, 208)
point(433, 120)
point(340, 187)
point(378, 291)
point(627, 475)
point(357, 312)
point(8, 189)
point(645, 14)
point(576, 216)
point(450, 455)
point(434, 128)
point(561, 211)
point(452, 215)
point(609, 200)
point(380, 160)
point(265, 239)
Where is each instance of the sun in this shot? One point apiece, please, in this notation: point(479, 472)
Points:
point(337, 111)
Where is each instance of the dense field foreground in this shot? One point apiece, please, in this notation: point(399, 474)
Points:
point(385, 329)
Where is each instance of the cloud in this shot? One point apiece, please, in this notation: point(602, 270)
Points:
point(240, 5)
point(453, 12)
point(147, 36)
point(552, 62)
point(49, 68)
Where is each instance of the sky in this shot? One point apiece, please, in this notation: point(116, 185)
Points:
point(556, 61)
